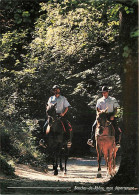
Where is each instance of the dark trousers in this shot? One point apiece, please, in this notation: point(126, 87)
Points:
point(93, 130)
point(45, 125)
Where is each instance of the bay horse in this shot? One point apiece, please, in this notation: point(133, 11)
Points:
point(59, 140)
point(105, 143)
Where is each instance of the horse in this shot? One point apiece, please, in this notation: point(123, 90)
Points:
point(105, 143)
point(59, 140)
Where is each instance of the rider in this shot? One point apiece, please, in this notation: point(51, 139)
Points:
point(62, 106)
point(111, 104)
point(62, 103)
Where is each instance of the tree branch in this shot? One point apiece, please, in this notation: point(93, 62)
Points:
point(127, 2)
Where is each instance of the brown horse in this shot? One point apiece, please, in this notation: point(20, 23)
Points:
point(105, 143)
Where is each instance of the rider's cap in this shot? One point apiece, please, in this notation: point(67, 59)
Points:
point(104, 88)
point(55, 87)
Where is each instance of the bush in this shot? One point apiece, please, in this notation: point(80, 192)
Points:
point(5, 167)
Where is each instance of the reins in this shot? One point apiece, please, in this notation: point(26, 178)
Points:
point(57, 118)
point(103, 127)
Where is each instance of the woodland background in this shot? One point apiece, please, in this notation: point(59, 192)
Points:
point(79, 45)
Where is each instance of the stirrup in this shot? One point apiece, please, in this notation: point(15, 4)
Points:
point(118, 145)
point(90, 142)
point(42, 143)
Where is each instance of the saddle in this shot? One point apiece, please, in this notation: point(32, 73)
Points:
point(69, 127)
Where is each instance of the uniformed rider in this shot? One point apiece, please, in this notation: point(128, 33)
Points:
point(111, 104)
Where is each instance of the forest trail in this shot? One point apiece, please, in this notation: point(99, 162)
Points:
point(81, 172)
point(78, 170)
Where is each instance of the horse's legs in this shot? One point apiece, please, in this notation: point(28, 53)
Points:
point(113, 164)
point(110, 162)
point(66, 154)
point(99, 164)
point(114, 157)
point(61, 167)
point(106, 159)
point(66, 159)
point(55, 165)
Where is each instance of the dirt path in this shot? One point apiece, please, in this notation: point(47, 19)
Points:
point(81, 173)
point(79, 170)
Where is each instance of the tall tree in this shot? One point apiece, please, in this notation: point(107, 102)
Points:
point(128, 172)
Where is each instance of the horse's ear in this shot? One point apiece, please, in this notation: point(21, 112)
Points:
point(98, 110)
point(47, 107)
point(55, 104)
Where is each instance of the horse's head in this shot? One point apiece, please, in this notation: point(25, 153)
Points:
point(51, 110)
point(102, 118)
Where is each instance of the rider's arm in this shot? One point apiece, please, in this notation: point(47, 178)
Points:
point(65, 111)
point(65, 105)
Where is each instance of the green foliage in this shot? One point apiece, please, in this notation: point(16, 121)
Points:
point(73, 39)
point(126, 51)
point(134, 33)
point(71, 43)
point(18, 14)
point(5, 168)
point(129, 10)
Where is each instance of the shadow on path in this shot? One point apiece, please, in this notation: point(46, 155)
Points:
point(81, 177)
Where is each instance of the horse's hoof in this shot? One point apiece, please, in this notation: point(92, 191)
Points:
point(65, 173)
point(56, 172)
point(99, 175)
point(111, 175)
point(46, 170)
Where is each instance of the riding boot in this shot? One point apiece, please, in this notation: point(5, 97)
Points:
point(66, 128)
point(92, 141)
point(117, 133)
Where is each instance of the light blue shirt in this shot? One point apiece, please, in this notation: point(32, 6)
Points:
point(110, 103)
point(62, 103)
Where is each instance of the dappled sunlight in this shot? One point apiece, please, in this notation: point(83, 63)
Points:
point(78, 170)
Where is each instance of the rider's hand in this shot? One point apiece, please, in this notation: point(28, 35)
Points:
point(112, 118)
point(62, 114)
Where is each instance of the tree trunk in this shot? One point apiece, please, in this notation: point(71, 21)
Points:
point(128, 171)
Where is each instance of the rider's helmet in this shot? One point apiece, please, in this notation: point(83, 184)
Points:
point(104, 88)
point(55, 87)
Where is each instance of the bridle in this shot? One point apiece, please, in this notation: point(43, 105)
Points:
point(103, 127)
